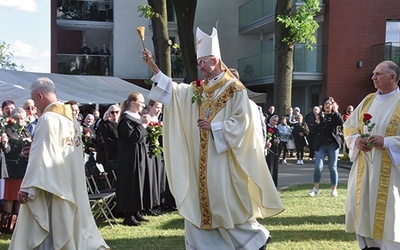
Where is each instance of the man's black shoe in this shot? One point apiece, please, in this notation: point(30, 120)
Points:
point(140, 218)
point(131, 221)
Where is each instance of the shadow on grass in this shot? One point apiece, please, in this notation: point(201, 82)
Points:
point(304, 220)
point(174, 224)
point(159, 242)
point(311, 235)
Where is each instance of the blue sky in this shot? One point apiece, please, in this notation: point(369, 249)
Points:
point(25, 26)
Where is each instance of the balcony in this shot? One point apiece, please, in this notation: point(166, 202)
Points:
point(78, 64)
point(261, 66)
point(84, 10)
point(257, 15)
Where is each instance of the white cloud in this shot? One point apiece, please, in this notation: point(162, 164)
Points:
point(30, 57)
point(25, 5)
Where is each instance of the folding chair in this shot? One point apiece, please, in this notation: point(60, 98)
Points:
point(102, 203)
point(102, 176)
point(99, 204)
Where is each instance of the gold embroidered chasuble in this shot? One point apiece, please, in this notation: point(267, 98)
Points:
point(57, 214)
point(373, 196)
point(217, 189)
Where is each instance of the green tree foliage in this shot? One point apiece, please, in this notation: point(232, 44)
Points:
point(6, 58)
point(147, 11)
point(301, 25)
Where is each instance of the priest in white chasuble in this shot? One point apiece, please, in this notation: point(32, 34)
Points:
point(372, 134)
point(214, 154)
point(55, 211)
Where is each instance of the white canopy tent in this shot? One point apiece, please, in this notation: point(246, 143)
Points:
point(14, 85)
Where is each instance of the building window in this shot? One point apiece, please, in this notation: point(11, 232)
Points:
point(170, 11)
point(393, 31)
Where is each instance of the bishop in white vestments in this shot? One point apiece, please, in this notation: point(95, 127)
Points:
point(214, 155)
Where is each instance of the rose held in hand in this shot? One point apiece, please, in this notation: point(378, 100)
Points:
point(198, 93)
point(367, 123)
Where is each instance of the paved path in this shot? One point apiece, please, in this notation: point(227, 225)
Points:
point(293, 174)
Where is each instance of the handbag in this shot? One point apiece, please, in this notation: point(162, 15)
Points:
point(337, 135)
point(290, 145)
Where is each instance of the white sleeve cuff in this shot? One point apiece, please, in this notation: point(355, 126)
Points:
point(220, 142)
point(393, 151)
point(162, 92)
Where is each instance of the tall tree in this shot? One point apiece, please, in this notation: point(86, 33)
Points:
point(291, 28)
point(6, 58)
point(159, 22)
point(185, 13)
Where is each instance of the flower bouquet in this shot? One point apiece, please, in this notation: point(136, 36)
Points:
point(155, 130)
point(87, 140)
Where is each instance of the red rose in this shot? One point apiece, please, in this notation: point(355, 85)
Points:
point(271, 130)
point(9, 120)
point(199, 83)
point(151, 124)
point(367, 117)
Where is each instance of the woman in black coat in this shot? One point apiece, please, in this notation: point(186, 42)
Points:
point(133, 190)
point(299, 132)
point(109, 131)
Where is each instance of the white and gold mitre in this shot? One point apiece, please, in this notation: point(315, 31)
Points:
point(207, 45)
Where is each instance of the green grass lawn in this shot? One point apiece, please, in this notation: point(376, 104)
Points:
point(307, 223)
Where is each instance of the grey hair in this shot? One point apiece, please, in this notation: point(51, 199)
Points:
point(18, 111)
point(43, 84)
point(114, 106)
point(28, 102)
point(393, 68)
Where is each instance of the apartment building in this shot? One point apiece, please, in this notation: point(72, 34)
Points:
point(352, 38)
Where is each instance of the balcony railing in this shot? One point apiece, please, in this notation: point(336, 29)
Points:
point(84, 10)
point(77, 64)
point(386, 51)
point(262, 65)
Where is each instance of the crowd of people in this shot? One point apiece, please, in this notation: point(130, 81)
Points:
point(99, 61)
point(102, 137)
point(318, 132)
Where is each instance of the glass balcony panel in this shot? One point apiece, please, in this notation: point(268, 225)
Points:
point(262, 65)
point(100, 10)
point(306, 60)
point(255, 10)
point(77, 64)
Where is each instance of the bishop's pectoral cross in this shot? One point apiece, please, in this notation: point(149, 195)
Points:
point(207, 112)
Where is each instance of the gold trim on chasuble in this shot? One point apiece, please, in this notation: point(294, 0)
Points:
point(384, 180)
point(208, 109)
point(66, 111)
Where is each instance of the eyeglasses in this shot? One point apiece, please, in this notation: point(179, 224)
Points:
point(114, 112)
point(201, 63)
point(29, 108)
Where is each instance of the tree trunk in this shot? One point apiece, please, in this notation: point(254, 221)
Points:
point(185, 12)
point(162, 47)
point(283, 61)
